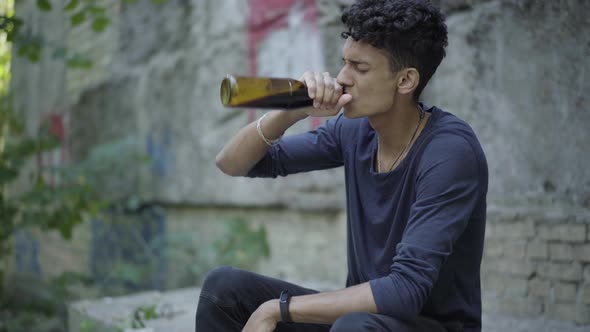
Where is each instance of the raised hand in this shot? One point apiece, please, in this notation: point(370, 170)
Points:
point(327, 94)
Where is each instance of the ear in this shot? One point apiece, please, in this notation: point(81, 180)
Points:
point(408, 80)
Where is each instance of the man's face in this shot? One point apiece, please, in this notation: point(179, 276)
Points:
point(366, 75)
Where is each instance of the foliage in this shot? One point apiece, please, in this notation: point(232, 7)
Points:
point(57, 205)
point(143, 313)
point(242, 246)
point(92, 12)
point(136, 262)
point(49, 206)
point(32, 304)
point(34, 196)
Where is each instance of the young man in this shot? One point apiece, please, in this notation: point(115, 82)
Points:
point(416, 184)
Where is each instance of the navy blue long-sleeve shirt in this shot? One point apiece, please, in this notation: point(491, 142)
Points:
point(415, 234)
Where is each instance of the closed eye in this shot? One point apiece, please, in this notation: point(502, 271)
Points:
point(361, 67)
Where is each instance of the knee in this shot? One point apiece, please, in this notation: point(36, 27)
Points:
point(223, 280)
point(356, 321)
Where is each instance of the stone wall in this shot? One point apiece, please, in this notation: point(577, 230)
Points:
point(537, 263)
point(505, 73)
point(515, 70)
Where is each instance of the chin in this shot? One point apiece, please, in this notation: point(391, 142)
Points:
point(350, 112)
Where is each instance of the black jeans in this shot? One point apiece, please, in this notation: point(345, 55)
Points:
point(230, 295)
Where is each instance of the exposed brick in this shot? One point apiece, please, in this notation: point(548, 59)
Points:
point(516, 287)
point(561, 311)
point(493, 282)
point(514, 249)
point(523, 268)
point(521, 306)
point(539, 287)
point(490, 302)
point(569, 312)
point(565, 233)
point(518, 229)
point(583, 315)
point(565, 292)
point(537, 249)
point(488, 264)
point(582, 253)
point(493, 247)
point(561, 252)
point(491, 231)
point(585, 293)
point(560, 271)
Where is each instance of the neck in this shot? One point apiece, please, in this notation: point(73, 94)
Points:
point(395, 126)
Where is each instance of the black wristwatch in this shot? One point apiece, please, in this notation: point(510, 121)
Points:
point(284, 305)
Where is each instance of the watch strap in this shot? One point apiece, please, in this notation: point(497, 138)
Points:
point(284, 306)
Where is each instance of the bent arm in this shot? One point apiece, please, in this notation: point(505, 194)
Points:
point(450, 184)
point(246, 148)
point(325, 308)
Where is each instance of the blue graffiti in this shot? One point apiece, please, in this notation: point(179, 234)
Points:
point(136, 241)
point(27, 253)
point(160, 150)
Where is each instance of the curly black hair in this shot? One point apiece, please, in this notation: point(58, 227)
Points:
point(412, 32)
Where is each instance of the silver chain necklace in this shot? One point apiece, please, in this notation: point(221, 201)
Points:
point(403, 150)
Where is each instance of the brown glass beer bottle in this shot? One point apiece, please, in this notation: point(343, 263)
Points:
point(264, 92)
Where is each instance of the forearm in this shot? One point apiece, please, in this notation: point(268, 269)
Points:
point(325, 308)
point(246, 148)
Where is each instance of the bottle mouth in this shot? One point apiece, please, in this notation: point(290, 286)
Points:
point(225, 91)
point(227, 84)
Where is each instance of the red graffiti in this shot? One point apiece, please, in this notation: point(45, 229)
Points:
point(55, 124)
point(266, 16)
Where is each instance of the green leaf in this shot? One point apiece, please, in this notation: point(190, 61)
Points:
point(100, 23)
point(13, 25)
point(7, 175)
point(23, 50)
point(78, 18)
point(71, 5)
point(79, 62)
point(66, 231)
point(44, 5)
point(96, 10)
point(34, 56)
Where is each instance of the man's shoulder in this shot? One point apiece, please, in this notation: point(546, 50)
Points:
point(448, 126)
point(447, 120)
point(452, 136)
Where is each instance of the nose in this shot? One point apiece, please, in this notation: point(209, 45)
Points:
point(343, 78)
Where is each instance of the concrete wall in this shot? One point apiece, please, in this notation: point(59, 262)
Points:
point(515, 71)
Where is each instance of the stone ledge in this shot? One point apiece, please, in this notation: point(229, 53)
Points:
point(115, 314)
